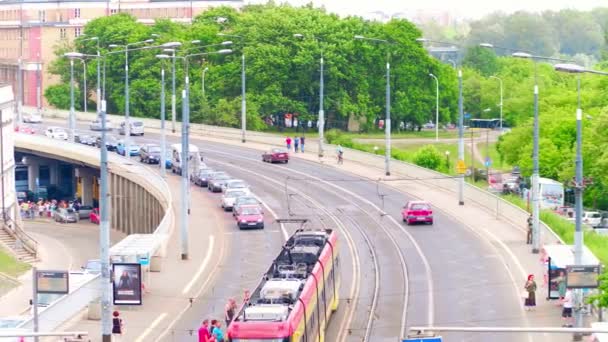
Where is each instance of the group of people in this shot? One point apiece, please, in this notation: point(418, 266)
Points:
point(44, 208)
point(298, 143)
point(211, 331)
point(566, 299)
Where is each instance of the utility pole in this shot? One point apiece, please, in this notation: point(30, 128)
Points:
point(72, 122)
point(173, 93)
point(127, 118)
point(163, 138)
point(184, 167)
point(535, 178)
point(387, 156)
point(460, 137)
point(321, 124)
point(104, 229)
point(243, 100)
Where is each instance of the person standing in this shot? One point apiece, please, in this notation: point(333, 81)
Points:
point(302, 143)
point(288, 143)
point(203, 332)
point(567, 304)
point(217, 332)
point(117, 326)
point(529, 235)
point(296, 144)
point(230, 311)
point(340, 152)
point(530, 302)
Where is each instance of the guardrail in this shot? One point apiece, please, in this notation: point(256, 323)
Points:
point(27, 242)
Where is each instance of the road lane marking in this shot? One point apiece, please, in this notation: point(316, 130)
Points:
point(202, 267)
point(276, 217)
point(151, 327)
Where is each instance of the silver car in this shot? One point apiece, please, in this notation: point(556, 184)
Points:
point(84, 212)
point(235, 184)
point(65, 215)
point(217, 180)
point(230, 196)
point(96, 125)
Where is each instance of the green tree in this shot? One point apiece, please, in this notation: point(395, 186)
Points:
point(58, 96)
point(482, 60)
point(428, 156)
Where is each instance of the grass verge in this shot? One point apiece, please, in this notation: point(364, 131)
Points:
point(10, 265)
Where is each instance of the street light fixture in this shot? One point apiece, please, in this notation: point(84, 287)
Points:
point(203, 81)
point(243, 81)
point(579, 183)
point(321, 119)
point(500, 104)
point(387, 155)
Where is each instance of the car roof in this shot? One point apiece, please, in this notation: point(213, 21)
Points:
point(419, 202)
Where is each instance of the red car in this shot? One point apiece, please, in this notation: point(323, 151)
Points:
point(250, 216)
point(276, 155)
point(417, 212)
point(94, 217)
point(25, 129)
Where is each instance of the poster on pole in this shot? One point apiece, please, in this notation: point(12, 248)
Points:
point(126, 283)
point(582, 276)
point(53, 282)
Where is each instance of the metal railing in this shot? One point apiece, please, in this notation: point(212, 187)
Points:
point(27, 242)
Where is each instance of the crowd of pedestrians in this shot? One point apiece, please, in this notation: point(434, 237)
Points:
point(44, 208)
point(211, 330)
point(298, 144)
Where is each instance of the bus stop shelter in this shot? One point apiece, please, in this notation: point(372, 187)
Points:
point(557, 258)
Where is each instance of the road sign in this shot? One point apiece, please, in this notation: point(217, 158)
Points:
point(55, 282)
point(461, 167)
point(488, 162)
point(467, 115)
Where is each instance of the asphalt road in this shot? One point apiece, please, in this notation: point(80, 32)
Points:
point(393, 276)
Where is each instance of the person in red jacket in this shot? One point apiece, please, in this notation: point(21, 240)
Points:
point(288, 143)
point(203, 332)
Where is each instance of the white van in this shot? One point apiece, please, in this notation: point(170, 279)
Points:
point(592, 218)
point(195, 162)
point(137, 128)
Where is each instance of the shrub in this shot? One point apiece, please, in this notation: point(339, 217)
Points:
point(428, 156)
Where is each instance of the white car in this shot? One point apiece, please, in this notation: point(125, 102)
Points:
point(235, 184)
point(592, 218)
point(56, 133)
point(96, 125)
point(136, 128)
point(230, 197)
point(32, 118)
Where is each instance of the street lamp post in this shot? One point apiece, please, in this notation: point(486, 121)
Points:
point(500, 104)
point(321, 119)
point(163, 138)
point(84, 75)
point(243, 92)
point(436, 107)
point(72, 120)
point(579, 184)
point(387, 132)
point(203, 81)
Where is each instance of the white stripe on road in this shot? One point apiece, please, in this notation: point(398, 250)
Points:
point(276, 217)
point(151, 327)
point(202, 267)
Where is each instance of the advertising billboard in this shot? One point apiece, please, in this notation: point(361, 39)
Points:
point(126, 284)
point(582, 277)
point(55, 282)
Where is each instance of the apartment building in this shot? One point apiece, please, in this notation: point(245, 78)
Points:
point(30, 29)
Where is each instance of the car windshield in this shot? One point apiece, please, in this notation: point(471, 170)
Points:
point(71, 211)
point(154, 149)
point(58, 130)
point(221, 177)
point(137, 123)
point(420, 207)
point(251, 211)
point(278, 150)
point(247, 200)
point(237, 185)
point(595, 215)
point(234, 194)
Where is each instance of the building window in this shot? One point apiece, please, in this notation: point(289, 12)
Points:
point(113, 11)
point(76, 12)
point(42, 16)
point(77, 32)
point(63, 33)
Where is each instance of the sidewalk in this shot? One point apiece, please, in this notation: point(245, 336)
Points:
point(169, 292)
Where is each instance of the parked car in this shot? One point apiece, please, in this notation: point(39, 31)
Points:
point(201, 178)
point(244, 201)
point(417, 212)
point(56, 133)
point(235, 184)
point(65, 215)
point(230, 196)
point(217, 181)
point(137, 128)
point(92, 266)
point(84, 212)
point(168, 161)
point(429, 125)
point(96, 125)
point(111, 142)
point(25, 129)
point(592, 218)
point(32, 118)
point(149, 154)
point(250, 216)
point(94, 217)
point(86, 140)
point(276, 155)
point(121, 148)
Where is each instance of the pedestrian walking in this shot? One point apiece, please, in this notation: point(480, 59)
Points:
point(32, 209)
point(567, 304)
point(302, 143)
point(217, 332)
point(529, 235)
point(296, 144)
point(203, 332)
point(340, 153)
point(117, 326)
point(230, 311)
point(288, 143)
point(530, 302)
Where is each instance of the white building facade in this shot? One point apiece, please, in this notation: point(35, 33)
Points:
point(8, 197)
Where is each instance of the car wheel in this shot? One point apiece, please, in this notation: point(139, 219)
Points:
point(286, 161)
point(431, 223)
point(262, 226)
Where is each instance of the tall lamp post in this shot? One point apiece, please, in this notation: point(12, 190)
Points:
point(387, 131)
point(72, 119)
point(536, 137)
point(184, 212)
point(579, 183)
point(98, 74)
point(243, 80)
point(500, 104)
point(163, 138)
point(127, 118)
point(321, 120)
point(460, 121)
point(84, 83)
point(436, 107)
point(203, 81)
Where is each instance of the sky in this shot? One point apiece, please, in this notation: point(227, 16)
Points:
point(460, 8)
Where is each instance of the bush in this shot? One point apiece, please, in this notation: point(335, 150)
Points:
point(428, 156)
point(332, 136)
